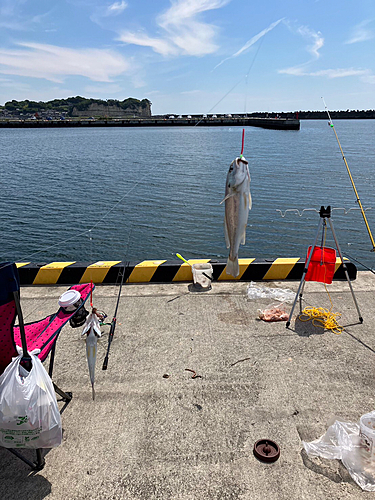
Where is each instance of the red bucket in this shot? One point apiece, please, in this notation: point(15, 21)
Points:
point(322, 265)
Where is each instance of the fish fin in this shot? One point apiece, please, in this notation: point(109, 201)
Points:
point(97, 331)
point(227, 241)
point(227, 197)
point(93, 392)
point(233, 267)
point(86, 329)
point(243, 240)
point(250, 201)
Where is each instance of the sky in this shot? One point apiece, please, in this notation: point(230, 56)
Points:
point(191, 56)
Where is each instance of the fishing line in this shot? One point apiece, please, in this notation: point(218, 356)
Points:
point(356, 260)
point(351, 178)
point(248, 71)
point(75, 236)
point(235, 85)
point(213, 107)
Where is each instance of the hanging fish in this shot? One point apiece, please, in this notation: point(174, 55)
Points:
point(92, 329)
point(237, 205)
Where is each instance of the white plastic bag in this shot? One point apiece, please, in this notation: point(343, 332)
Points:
point(342, 441)
point(255, 291)
point(29, 415)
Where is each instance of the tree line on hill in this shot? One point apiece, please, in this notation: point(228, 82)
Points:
point(67, 105)
point(76, 106)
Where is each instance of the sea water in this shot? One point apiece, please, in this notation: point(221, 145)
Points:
point(146, 193)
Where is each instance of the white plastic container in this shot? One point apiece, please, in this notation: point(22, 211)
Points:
point(70, 300)
point(202, 276)
point(367, 435)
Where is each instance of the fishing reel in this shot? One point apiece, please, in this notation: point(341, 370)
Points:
point(80, 317)
point(71, 301)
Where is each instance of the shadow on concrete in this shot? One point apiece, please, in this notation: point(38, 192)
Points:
point(325, 468)
point(304, 327)
point(19, 481)
point(197, 288)
point(359, 340)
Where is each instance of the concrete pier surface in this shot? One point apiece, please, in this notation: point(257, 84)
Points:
point(150, 437)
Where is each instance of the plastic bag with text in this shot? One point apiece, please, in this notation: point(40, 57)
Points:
point(29, 415)
point(344, 441)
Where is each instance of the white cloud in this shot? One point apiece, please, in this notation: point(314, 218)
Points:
point(251, 42)
point(55, 63)
point(361, 32)
point(116, 8)
point(366, 75)
point(255, 38)
point(316, 36)
point(329, 73)
point(317, 43)
point(104, 11)
point(369, 78)
point(184, 32)
point(10, 7)
point(12, 16)
point(159, 45)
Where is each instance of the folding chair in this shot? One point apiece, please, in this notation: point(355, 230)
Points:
point(41, 335)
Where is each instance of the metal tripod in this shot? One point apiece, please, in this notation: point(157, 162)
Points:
point(325, 214)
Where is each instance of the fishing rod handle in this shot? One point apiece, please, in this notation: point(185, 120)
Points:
point(105, 362)
point(110, 338)
point(112, 330)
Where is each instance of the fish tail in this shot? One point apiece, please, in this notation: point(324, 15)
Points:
point(233, 267)
point(93, 392)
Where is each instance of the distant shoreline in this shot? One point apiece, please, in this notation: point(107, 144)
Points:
point(276, 123)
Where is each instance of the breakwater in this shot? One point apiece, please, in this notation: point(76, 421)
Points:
point(167, 271)
point(268, 123)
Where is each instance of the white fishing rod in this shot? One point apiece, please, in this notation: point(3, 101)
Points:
point(351, 178)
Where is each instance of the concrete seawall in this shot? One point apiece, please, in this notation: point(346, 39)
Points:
point(270, 123)
point(163, 271)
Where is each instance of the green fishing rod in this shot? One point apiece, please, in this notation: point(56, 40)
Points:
point(351, 178)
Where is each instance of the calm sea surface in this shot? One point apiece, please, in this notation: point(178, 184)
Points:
point(149, 193)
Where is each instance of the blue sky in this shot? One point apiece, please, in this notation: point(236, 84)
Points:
point(191, 56)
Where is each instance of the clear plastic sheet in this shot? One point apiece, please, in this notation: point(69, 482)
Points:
point(342, 442)
point(256, 291)
point(275, 312)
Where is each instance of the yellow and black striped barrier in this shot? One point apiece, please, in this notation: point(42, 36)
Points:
point(163, 271)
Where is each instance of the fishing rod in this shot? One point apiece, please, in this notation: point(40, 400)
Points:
point(351, 178)
point(114, 319)
point(113, 322)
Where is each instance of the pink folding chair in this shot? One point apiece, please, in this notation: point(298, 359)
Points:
point(41, 335)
